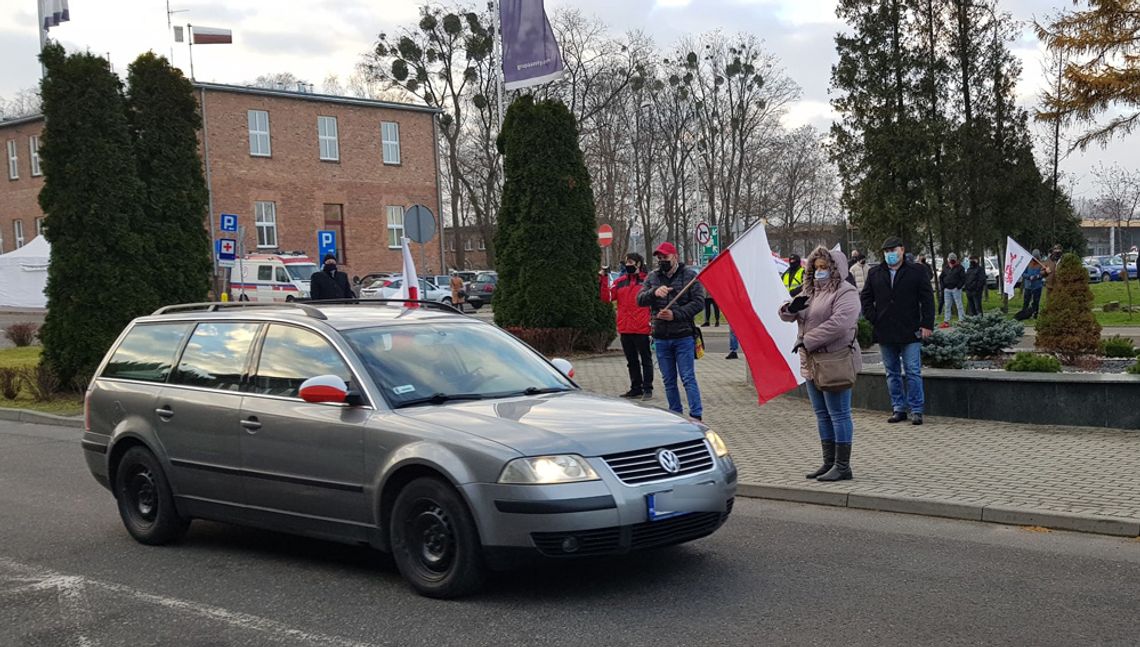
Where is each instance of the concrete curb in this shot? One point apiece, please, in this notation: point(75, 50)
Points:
point(1015, 516)
point(38, 418)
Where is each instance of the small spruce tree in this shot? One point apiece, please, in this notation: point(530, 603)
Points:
point(92, 201)
point(164, 122)
point(548, 255)
point(1067, 326)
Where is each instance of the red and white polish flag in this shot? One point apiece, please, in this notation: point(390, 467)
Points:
point(746, 285)
point(411, 287)
point(210, 36)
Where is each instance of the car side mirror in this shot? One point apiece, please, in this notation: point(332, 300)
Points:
point(324, 388)
point(563, 366)
point(356, 280)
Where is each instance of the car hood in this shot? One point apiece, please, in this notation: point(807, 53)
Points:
point(561, 423)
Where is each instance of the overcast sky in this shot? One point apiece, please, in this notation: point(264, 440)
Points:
point(314, 38)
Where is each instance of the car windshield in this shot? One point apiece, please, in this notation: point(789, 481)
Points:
point(486, 277)
point(437, 362)
point(301, 271)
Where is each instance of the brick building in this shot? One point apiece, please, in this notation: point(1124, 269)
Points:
point(289, 164)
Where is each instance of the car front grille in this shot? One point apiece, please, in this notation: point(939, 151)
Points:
point(666, 532)
point(642, 466)
point(618, 539)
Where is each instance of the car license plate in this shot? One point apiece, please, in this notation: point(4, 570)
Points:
point(662, 505)
point(684, 499)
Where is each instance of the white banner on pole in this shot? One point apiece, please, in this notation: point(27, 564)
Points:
point(1016, 260)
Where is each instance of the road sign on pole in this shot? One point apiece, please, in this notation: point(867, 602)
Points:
point(229, 222)
point(711, 247)
point(704, 234)
point(227, 251)
point(419, 224)
point(326, 244)
point(605, 236)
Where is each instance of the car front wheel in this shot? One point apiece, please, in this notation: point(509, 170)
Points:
point(434, 540)
point(146, 503)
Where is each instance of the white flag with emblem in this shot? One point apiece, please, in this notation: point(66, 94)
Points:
point(1016, 260)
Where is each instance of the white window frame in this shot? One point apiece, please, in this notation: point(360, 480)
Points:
point(260, 144)
point(265, 220)
point(327, 139)
point(13, 161)
point(395, 227)
point(390, 142)
point(40, 226)
point(467, 245)
point(482, 244)
point(34, 152)
point(18, 230)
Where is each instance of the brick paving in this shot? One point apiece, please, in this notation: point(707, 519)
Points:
point(1051, 470)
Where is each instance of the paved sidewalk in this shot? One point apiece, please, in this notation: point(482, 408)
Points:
point(1061, 477)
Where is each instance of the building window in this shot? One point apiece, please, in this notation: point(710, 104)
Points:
point(259, 133)
point(467, 245)
point(265, 217)
point(390, 134)
point(395, 227)
point(34, 152)
point(18, 226)
point(451, 245)
point(13, 161)
point(334, 220)
point(40, 226)
point(482, 244)
point(326, 135)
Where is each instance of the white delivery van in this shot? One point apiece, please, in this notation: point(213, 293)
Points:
point(282, 276)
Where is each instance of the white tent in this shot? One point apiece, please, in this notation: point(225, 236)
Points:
point(23, 275)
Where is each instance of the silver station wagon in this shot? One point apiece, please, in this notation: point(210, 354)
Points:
point(416, 430)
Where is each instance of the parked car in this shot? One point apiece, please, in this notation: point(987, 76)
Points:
point(1093, 270)
point(992, 272)
point(1112, 268)
point(390, 289)
point(437, 437)
point(479, 291)
point(361, 282)
point(280, 276)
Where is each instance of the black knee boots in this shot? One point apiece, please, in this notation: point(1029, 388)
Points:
point(841, 471)
point(828, 459)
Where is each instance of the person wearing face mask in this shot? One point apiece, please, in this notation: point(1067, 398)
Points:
point(632, 324)
point(329, 283)
point(1050, 269)
point(953, 280)
point(975, 285)
point(793, 277)
point(899, 302)
point(828, 322)
point(858, 269)
point(673, 308)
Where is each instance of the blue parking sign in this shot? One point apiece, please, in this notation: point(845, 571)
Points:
point(229, 222)
point(326, 244)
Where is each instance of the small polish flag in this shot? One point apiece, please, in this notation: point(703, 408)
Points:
point(210, 36)
point(749, 292)
point(411, 287)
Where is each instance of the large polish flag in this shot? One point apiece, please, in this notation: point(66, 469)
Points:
point(411, 287)
point(210, 36)
point(747, 287)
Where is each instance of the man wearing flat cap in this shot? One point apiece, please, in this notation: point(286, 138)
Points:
point(899, 303)
point(329, 283)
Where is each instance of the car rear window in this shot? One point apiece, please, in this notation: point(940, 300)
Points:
point(216, 355)
point(147, 353)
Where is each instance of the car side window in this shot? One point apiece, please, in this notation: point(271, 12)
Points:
point(291, 355)
point(282, 275)
point(216, 355)
point(147, 352)
point(264, 272)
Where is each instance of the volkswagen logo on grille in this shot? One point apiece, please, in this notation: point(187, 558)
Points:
point(669, 461)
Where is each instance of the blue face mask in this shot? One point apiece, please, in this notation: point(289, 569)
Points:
point(821, 275)
point(892, 258)
point(966, 264)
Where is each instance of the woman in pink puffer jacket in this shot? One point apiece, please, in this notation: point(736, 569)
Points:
point(828, 322)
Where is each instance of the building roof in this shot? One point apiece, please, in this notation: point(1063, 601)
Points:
point(1105, 224)
point(19, 121)
point(310, 96)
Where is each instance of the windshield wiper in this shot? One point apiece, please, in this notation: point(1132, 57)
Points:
point(440, 398)
point(534, 390)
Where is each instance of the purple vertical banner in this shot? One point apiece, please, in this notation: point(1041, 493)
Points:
point(530, 52)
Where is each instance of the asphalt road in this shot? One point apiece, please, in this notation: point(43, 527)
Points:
point(776, 574)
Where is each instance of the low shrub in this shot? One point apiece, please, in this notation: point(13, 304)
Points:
point(988, 335)
point(866, 334)
point(944, 350)
point(1134, 369)
point(1034, 363)
point(1117, 346)
point(10, 383)
point(42, 381)
point(22, 334)
point(548, 341)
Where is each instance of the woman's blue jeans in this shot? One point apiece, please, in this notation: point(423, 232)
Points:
point(833, 414)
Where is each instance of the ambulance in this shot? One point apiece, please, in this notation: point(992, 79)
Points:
point(276, 277)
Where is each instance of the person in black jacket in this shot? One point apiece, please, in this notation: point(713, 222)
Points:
point(673, 327)
point(953, 280)
point(899, 303)
point(975, 286)
point(329, 283)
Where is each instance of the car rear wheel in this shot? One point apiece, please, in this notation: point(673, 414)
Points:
point(146, 503)
point(1105, 278)
point(434, 540)
point(243, 297)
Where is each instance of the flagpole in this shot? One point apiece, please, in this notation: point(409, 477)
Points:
point(500, 78)
point(190, 37)
point(719, 255)
point(169, 29)
point(43, 36)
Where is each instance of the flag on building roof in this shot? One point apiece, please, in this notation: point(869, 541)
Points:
point(210, 36)
point(54, 12)
point(748, 289)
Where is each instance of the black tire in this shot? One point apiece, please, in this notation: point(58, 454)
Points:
point(1105, 278)
point(446, 301)
point(289, 299)
point(243, 297)
point(146, 503)
point(434, 540)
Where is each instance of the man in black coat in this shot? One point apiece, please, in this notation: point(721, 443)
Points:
point(899, 303)
point(329, 283)
point(975, 286)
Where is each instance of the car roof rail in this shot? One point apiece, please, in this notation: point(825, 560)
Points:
point(215, 306)
point(352, 302)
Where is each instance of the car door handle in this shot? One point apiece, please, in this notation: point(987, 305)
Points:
point(166, 413)
point(251, 423)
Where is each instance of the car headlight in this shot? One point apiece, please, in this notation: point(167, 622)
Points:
point(548, 469)
point(717, 443)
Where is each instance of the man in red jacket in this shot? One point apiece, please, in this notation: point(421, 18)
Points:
point(632, 324)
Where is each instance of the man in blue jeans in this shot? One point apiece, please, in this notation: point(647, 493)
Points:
point(899, 302)
point(673, 309)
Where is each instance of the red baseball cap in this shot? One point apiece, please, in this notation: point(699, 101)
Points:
point(665, 249)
